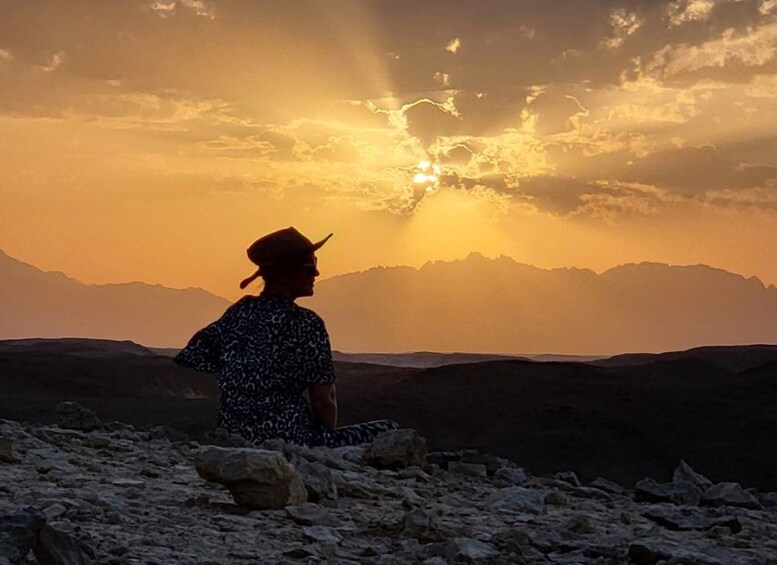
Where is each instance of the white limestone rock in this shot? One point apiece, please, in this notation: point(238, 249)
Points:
point(256, 478)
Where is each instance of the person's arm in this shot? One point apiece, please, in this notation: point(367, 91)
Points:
point(323, 401)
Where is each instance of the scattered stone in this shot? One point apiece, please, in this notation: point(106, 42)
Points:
point(684, 474)
point(729, 494)
point(56, 547)
point(300, 552)
point(7, 454)
point(19, 531)
point(556, 498)
point(73, 416)
point(311, 515)
point(469, 549)
point(509, 476)
point(126, 483)
point(317, 478)
point(568, 477)
point(422, 525)
point(54, 511)
point(691, 518)
point(580, 525)
point(648, 490)
point(651, 551)
point(467, 469)
point(256, 478)
point(607, 486)
point(517, 499)
point(322, 534)
point(396, 449)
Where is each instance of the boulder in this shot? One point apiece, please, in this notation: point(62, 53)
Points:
point(468, 549)
point(7, 454)
point(311, 515)
point(607, 486)
point(55, 547)
point(691, 518)
point(685, 475)
point(423, 525)
point(568, 477)
point(651, 551)
point(256, 478)
point(729, 494)
point(396, 449)
point(317, 478)
point(517, 499)
point(467, 469)
point(19, 531)
point(73, 416)
point(649, 490)
point(509, 476)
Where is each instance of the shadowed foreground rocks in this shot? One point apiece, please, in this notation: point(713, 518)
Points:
point(119, 495)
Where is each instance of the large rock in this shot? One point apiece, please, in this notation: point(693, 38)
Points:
point(729, 494)
point(73, 416)
point(395, 449)
point(57, 548)
point(19, 531)
point(691, 518)
point(652, 551)
point(685, 475)
point(317, 478)
point(255, 477)
point(6, 451)
point(649, 490)
point(468, 549)
point(517, 499)
point(509, 476)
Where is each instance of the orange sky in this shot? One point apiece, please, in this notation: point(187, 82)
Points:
point(154, 140)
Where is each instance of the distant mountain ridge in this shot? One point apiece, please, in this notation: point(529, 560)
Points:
point(473, 305)
point(498, 305)
point(34, 303)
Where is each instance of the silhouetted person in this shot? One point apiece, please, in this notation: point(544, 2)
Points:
point(268, 351)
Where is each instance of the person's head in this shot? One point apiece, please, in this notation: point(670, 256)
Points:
point(286, 262)
point(292, 278)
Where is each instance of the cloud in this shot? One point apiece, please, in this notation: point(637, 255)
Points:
point(6, 56)
point(165, 8)
point(683, 11)
point(693, 171)
point(552, 112)
point(622, 25)
point(54, 62)
point(734, 53)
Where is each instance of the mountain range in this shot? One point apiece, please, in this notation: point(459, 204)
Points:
point(34, 303)
point(471, 305)
point(501, 306)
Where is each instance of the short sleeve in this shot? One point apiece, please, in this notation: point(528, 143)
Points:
point(316, 351)
point(203, 352)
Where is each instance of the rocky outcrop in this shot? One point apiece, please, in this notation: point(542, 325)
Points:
point(256, 478)
point(120, 496)
point(396, 449)
point(73, 416)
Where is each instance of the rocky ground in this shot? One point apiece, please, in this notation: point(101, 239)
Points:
point(119, 495)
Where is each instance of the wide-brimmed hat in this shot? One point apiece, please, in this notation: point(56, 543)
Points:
point(282, 246)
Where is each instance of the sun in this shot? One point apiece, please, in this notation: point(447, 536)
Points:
point(427, 175)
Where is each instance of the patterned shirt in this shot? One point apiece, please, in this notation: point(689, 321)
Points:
point(267, 350)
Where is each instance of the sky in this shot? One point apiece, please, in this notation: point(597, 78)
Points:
point(154, 140)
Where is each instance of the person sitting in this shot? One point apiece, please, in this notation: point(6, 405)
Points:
point(269, 351)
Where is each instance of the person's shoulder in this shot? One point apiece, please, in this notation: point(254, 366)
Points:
point(308, 316)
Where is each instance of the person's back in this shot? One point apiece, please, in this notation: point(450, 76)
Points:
point(268, 351)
